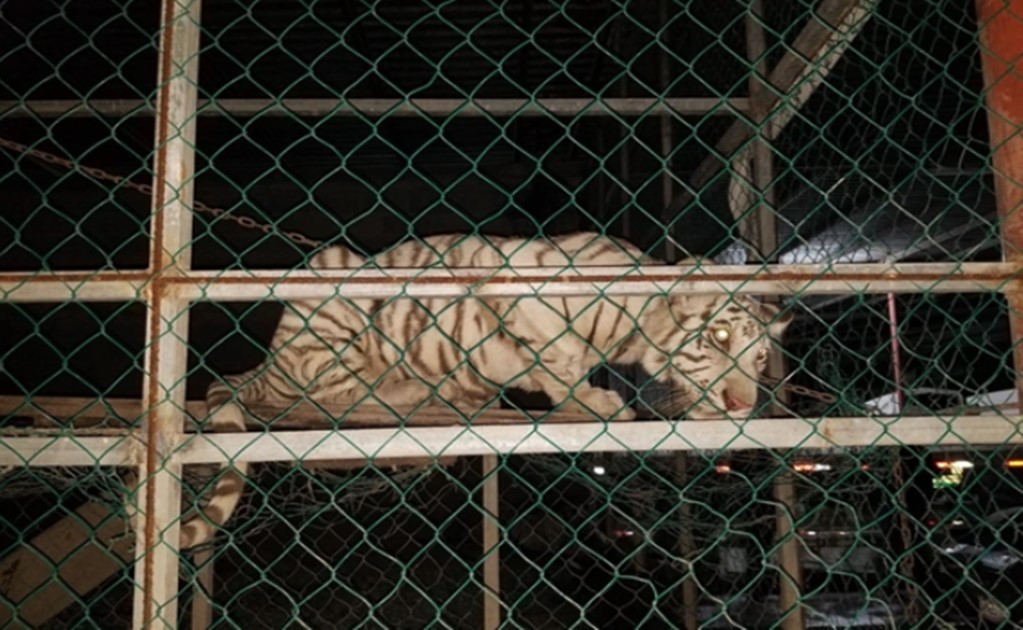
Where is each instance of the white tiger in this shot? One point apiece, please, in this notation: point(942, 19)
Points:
point(708, 349)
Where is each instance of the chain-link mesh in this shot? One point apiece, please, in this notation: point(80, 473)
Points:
point(374, 125)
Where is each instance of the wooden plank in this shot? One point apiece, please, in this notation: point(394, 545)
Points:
point(62, 564)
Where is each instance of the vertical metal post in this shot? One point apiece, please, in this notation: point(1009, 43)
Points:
point(790, 584)
point(908, 559)
point(686, 546)
point(202, 591)
point(159, 492)
point(491, 544)
point(763, 157)
point(893, 332)
point(1001, 53)
point(666, 136)
point(625, 167)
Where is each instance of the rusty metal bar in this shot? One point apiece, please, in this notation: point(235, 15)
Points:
point(158, 501)
point(893, 333)
point(434, 107)
point(545, 281)
point(592, 281)
point(1001, 52)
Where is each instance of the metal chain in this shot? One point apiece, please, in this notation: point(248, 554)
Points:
point(146, 189)
point(800, 390)
point(268, 228)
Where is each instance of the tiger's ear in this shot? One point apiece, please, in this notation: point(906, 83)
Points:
point(777, 321)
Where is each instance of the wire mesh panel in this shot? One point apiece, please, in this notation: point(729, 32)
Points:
point(379, 288)
point(67, 546)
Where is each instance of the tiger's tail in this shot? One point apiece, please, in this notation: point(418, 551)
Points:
point(263, 384)
point(225, 414)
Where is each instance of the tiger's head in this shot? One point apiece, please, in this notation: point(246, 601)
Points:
point(710, 351)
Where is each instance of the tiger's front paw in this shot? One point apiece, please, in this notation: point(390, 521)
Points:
point(604, 403)
point(225, 417)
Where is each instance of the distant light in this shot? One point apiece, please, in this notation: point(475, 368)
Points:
point(599, 470)
point(959, 464)
point(1014, 463)
point(811, 533)
point(624, 533)
point(958, 521)
point(722, 469)
point(805, 467)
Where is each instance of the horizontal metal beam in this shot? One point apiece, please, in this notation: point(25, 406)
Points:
point(542, 281)
point(74, 286)
point(318, 107)
point(106, 450)
point(529, 438)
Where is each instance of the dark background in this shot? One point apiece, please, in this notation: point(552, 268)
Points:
point(888, 161)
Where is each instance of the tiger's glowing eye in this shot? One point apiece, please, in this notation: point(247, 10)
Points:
point(721, 335)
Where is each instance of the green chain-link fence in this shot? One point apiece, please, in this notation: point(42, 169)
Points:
point(685, 127)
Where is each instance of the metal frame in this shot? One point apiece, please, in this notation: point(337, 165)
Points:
point(795, 77)
point(541, 281)
point(318, 107)
point(524, 439)
point(158, 496)
point(159, 447)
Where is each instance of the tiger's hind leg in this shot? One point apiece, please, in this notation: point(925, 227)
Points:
point(225, 414)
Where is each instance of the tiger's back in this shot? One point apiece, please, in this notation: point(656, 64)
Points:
point(468, 349)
